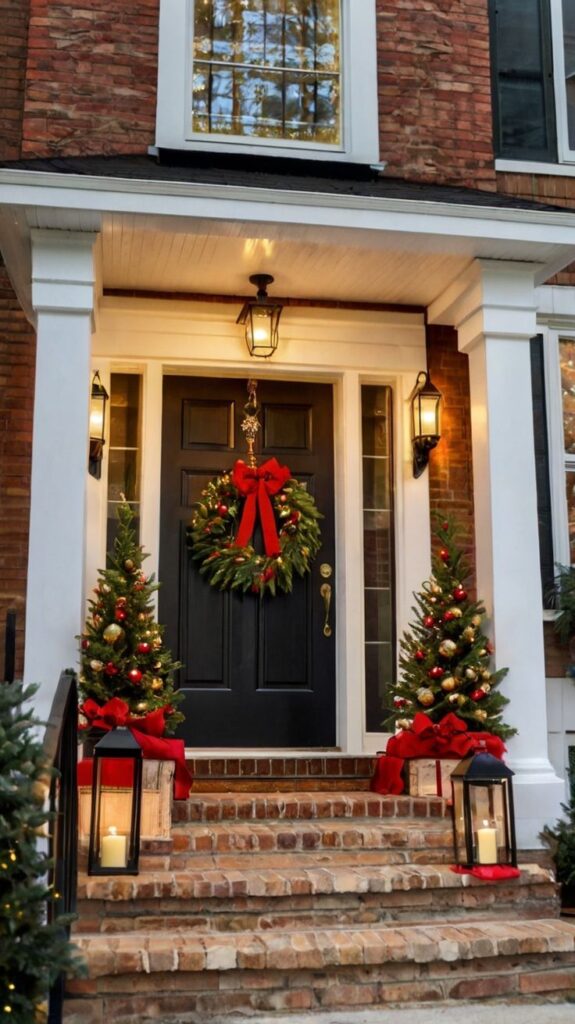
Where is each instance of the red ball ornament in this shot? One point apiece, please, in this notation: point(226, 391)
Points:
point(444, 555)
point(222, 510)
point(428, 621)
point(143, 648)
point(85, 644)
point(399, 702)
point(459, 594)
point(119, 615)
point(448, 616)
point(110, 669)
point(135, 676)
point(419, 655)
point(477, 694)
point(436, 672)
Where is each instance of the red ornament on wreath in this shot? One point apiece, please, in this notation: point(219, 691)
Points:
point(143, 648)
point(110, 669)
point(448, 616)
point(135, 676)
point(477, 694)
point(459, 594)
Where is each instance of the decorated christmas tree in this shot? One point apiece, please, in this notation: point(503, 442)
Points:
point(123, 654)
point(33, 952)
point(446, 659)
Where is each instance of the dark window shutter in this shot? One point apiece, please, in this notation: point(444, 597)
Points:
point(542, 467)
point(522, 80)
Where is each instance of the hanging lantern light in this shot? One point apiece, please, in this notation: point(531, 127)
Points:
point(99, 397)
point(426, 401)
point(483, 818)
point(260, 317)
point(116, 805)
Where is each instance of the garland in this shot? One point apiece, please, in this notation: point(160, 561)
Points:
point(220, 531)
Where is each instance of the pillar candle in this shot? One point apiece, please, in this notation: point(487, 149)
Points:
point(113, 850)
point(487, 844)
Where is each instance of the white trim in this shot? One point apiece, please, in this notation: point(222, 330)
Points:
point(565, 152)
point(535, 167)
point(554, 405)
point(359, 110)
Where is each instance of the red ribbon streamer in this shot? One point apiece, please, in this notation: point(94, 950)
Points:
point(148, 731)
point(488, 872)
point(256, 485)
point(448, 738)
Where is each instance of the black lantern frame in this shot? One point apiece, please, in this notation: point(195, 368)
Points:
point(113, 850)
point(260, 318)
point(426, 406)
point(483, 813)
point(98, 398)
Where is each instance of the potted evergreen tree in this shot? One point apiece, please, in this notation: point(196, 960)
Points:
point(560, 840)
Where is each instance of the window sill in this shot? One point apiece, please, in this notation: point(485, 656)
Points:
point(535, 167)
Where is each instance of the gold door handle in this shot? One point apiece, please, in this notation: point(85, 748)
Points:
point(325, 591)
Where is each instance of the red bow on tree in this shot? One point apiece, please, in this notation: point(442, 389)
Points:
point(256, 485)
point(149, 733)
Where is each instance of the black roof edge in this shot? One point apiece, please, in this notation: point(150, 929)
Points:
point(282, 165)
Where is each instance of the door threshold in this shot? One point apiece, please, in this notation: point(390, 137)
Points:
point(229, 752)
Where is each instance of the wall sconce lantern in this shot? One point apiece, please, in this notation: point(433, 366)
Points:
point(483, 818)
point(98, 399)
point(260, 317)
point(114, 847)
point(426, 402)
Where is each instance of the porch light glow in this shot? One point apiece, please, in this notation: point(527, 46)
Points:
point(98, 399)
point(426, 402)
point(260, 317)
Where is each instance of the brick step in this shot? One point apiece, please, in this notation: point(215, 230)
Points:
point(307, 898)
point(135, 977)
point(298, 806)
point(319, 772)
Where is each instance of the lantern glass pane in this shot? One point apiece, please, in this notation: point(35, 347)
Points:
point(97, 417)
point(428, 415)
point(489, 824)
point(115, 782)
point(459, 823)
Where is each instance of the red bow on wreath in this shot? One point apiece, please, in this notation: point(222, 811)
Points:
point(256, 485)
point(149, 733)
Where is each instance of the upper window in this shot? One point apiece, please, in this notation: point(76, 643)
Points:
point(533, 64)
point(286, 77)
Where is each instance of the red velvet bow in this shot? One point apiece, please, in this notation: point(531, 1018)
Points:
point(149, 733)
point(448, 738)
point(256, 485)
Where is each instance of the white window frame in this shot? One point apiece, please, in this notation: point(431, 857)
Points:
point(559, 461)
point(565, 154)
point(359, 110)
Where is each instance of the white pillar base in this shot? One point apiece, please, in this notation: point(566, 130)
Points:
point(537, 793)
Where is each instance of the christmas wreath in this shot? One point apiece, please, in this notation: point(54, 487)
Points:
point(223, 521)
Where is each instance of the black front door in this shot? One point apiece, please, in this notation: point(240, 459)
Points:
point(256, 673)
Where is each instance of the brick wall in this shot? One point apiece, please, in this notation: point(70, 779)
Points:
point(450, 464)
point(17, 363)
point(543, 188)
point(91, 80)
point(13, 43)
point(435, 91)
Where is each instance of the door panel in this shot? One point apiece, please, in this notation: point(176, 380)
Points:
point(255, 672)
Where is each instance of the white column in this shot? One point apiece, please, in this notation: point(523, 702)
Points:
point(494, 312)
point(63, 299)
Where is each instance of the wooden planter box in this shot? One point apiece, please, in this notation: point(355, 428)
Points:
point(156, 820)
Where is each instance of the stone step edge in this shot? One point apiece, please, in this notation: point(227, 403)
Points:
point(282, 882)
point(190, 951)
point(298, 806)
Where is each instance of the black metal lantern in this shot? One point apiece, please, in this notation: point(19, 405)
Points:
point(426, 401)
point(260, 317)
point(483, 818)
point(98, 399)
point(116, 803)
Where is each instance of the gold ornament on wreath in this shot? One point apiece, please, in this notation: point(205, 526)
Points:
point(220, 533)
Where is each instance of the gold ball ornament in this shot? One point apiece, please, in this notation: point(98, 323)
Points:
point(403, 723)
point(435, 588)
point(482, 653)
point(468, 634)
point(141, 706)
point(425, 697)
point(480, 714)
point(471, 674)
point(486, 675)
point(447, 648)
point(456, 612)
point(96, 665)
point(461, 699)
point(486, 687)
point(454, 698)
point(142, 616)
point(129, 565)
point(113, 633)
point(157, 666)
point(476, 621)
point(157, 684)
point(448, 684)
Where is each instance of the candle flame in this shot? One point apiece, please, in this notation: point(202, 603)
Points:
point(114, 831)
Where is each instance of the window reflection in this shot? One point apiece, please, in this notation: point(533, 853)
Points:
point(267, 68)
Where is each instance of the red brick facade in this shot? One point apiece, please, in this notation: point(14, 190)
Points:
point(450, 464)
point(435, 91)
point(91, 79)
point(17, 363)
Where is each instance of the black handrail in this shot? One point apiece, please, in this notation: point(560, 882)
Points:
point(61, 751)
